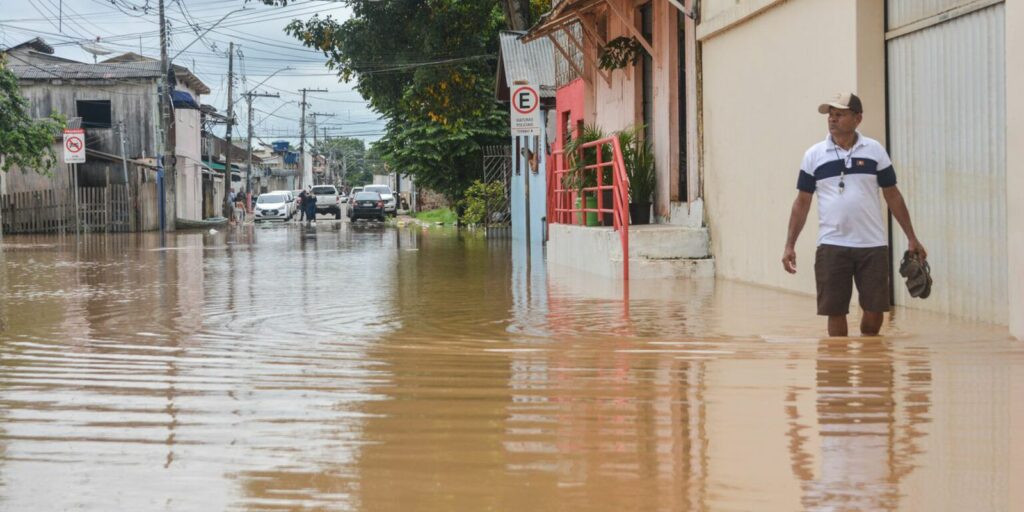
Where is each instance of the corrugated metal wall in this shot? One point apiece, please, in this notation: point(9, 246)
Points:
point(947, 136)
point(905, 12)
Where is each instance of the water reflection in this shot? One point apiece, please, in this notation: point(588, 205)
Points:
point(363, 367)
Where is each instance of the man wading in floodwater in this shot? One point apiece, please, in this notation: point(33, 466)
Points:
point(846, 170)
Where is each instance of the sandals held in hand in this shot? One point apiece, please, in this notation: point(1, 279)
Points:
point(918, 275)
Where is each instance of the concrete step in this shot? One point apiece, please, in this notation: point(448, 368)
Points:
point(655, 251)
point(665, 242)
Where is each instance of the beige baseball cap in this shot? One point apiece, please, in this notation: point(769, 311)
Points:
point(844, 101)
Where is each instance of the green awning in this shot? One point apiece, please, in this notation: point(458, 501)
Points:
point(214, 165)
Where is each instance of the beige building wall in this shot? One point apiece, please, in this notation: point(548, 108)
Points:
point(765, 67)
point(1015, 165)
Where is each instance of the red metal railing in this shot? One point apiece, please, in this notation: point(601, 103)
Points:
point(562, 205)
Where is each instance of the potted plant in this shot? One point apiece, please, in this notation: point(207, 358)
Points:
point(578, 177)
point(619, 53)
point(639, 161)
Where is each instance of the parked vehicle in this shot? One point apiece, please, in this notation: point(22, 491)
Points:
point(327, 200)
point(390, 202)
point(271, 207)
point(366, 205)
point(291, 200)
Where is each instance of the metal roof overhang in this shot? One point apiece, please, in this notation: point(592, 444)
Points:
point(569, 11)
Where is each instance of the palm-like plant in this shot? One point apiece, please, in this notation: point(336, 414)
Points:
point(638, 158)
point(579, 177)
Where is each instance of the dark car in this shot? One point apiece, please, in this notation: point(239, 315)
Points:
point(366, 205)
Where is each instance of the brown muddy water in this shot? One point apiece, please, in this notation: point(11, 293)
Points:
point(396, 369)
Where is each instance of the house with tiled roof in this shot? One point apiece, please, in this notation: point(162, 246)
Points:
point(110, 98)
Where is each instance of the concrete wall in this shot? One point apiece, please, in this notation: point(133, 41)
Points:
point(189, 180)
point(760, 116)
point(149, 200)
point(1015, 165)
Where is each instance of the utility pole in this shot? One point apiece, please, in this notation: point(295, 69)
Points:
point(166, 124)
point(231, 122)
point(330, 160)
point(248, 175)
point(127, 184)
point(314, 115)
point(302, 129)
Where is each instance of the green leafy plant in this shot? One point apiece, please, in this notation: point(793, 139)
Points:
point(442, 215)
point(638, 158)
point(25, 142)
point(479, 196)
point(620, 52)
point(577, 159)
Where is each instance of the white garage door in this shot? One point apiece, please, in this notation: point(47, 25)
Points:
point(947, 136)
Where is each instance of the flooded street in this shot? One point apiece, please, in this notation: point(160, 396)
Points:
point(371, 367)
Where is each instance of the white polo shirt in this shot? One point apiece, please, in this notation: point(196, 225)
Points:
point(851, 215)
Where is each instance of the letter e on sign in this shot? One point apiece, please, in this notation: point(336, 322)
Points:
point(525, 114)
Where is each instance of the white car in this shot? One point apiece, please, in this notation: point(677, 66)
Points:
point(328, 201)
point(390, 201)
point(291, 200)
point(272, 207)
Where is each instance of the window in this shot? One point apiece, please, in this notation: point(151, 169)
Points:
point(272, 199)
point(94, 113)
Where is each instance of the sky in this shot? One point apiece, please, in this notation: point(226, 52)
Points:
point(262, 48)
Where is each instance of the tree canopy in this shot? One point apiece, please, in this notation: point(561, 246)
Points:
point(428, 67)
point(349, 154)
point(24, 142)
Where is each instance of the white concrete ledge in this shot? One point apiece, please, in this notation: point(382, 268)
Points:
point(656, 251)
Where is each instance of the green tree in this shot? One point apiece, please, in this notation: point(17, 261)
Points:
point(24, 142)
point(348, 154)
point(428, 67)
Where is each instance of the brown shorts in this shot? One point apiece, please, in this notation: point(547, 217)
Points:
point(835, 270)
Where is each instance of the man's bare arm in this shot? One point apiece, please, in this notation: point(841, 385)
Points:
point(899, 210)
point(797, 219)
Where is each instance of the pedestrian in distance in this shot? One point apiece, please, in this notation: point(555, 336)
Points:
point(239, 210)
point(846, 171)
point(300, 204)
point(310, 206)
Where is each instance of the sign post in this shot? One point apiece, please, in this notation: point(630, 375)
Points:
point(74, 153)
point(525, 118)
point(74, 146)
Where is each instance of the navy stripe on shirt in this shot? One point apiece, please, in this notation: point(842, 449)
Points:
point(806, 183)
point(887, 177)
point(835, 168)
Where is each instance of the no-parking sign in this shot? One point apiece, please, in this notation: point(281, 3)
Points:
point(74, 146)
point(526, 119)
